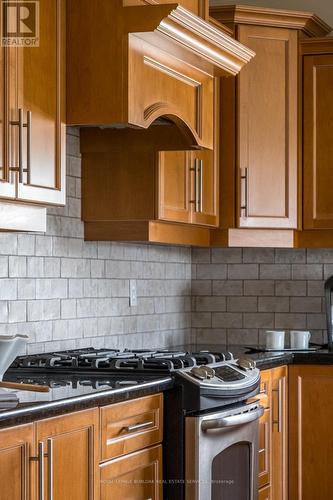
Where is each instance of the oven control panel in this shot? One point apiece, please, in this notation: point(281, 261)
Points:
point(223, 377)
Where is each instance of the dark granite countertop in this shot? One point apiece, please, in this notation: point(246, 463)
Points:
point(265, 360)
point(68, 393)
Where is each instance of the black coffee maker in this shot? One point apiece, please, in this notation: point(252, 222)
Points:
point(329, 319)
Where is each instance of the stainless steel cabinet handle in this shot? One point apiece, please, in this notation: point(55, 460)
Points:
point(50, 469)
point(201, 185)
point(196, 185)
point(21, 125)
point(41, 470)
point(137, 427)
point(28, 125)
point(233, 420)
point(279, 390)
point(244, 192)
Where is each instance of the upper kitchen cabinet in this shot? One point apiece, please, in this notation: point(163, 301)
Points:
point(143, 62)
point(33, 105)
point(317, 133)
point(263, 104)
point(150, 96)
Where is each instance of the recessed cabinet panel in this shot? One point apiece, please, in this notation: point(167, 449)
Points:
point(134, 477)
point(267, 130)
point(171, 87)
point(174, 186)
point(40, 77)
point(318, 141)
point(15, 446)
point(70, 446)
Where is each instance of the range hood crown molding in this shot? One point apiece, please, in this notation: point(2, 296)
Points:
point(195, 34)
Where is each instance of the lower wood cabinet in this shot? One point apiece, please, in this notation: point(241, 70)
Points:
point(311, 440)
point(273, 435)
point(16, 444)
point(137, 476)
point(70, 447)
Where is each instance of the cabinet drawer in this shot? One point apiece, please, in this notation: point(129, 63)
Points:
point(131, 426)
point(265, 493)
point(133, 477)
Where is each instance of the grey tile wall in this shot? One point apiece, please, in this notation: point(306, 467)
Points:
point(239, 293)
point(66, 293)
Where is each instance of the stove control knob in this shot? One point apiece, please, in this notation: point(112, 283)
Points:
point(202, 372)
point(246, 364)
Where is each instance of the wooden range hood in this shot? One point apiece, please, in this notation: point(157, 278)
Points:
point(141, 63)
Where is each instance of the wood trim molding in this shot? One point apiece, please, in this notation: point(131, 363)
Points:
point(189, 31)
point(316, 46)
point(307, 22)
point(147, 231)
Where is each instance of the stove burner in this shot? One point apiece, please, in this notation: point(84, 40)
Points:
point(141, 360)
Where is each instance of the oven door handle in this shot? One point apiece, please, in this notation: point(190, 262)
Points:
point(233, 420)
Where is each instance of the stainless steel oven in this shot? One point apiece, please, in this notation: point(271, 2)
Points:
point(221, 454)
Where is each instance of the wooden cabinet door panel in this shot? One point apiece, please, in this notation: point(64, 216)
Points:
point(265, 449)
point(137, 476)
point(16, 444)
point(310, 440)
point(41, 87)
point(318, 141)
point(131, 425)
point(267, 131)
point(174, 186)
point(279, 409)
point(8, 132)
point(171, 87)
point(265, 493)
point(71, 448)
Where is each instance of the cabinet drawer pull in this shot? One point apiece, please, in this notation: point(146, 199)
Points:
point(41, 470)
point(50, 469)
point(197, 188)
point(136, 427)
point(244, 192)
point(201, 185)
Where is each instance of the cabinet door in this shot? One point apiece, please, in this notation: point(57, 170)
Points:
point(267, 129)
point(265, 493)
point(279, 408)
point(265, 449)
point(205, 210)
point(318, 141)
point(174, 186)
point(8, 103)
point(310, 439)
point(41, 83)
point(133, 477)
point(15, 446)
point(71, 456)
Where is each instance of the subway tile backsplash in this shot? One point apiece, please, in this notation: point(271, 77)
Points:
point(239, 293)
point(66, 293)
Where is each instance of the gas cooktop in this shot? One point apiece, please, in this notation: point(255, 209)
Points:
point(138, 360)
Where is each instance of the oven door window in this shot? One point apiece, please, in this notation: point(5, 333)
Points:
point(231, 473)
